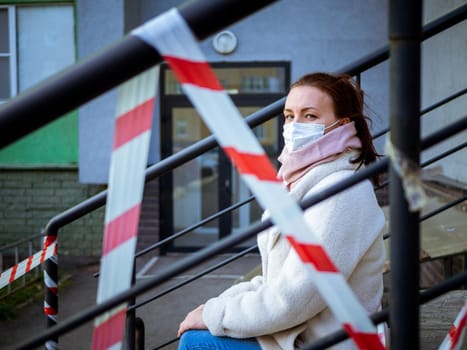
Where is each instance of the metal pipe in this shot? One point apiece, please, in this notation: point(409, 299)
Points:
point(195, 277)
point(139, 334)
point(383, 315)
point(220, 246)
point(429, 30)
point(405, 20)
point(428, 109)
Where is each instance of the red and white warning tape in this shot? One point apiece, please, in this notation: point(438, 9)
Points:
point(173, 39)
point(455, 337)
point(20, 269)
point(132, 134)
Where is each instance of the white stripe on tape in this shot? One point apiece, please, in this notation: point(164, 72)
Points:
point(173, 41)
point(128, 165)
point(117, 275)
point(26, 265)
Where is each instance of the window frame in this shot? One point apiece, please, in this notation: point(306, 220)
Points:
point(12, 53)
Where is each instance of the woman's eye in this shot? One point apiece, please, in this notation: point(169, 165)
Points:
point(310, 116)
point(288, 117)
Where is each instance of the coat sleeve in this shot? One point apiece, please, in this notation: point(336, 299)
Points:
point(347, 224)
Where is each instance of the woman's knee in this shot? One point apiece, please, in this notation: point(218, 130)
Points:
point(193, 338)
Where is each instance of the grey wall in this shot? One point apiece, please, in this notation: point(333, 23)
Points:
point(444, 72)
point(318, 35)
point(99, 24)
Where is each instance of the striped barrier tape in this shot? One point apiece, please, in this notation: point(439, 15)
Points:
point(132, 134)
point(172, 38)
point(455, 337)
point(13, 273)
point(51, 298)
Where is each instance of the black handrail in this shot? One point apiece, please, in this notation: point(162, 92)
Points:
point(196, 276)
point(428, 109)
point(227, 242)
point(248, 250)
point(432, 293)
point(429, 30)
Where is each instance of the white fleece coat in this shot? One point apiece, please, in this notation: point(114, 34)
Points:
point(283, 308)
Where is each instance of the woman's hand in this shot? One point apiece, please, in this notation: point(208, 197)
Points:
point(194, 320)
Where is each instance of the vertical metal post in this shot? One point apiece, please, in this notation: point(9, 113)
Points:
point(51, 290)
point(139, 334)
point(404, 32)
point(131, 317)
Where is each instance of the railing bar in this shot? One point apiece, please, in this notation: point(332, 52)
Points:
point(160, 168)
point(444, 133)
point(165, 344)
point(444, 154)
point(429, 30)
point(428, 109)
point(188, 229)
point(443, 101)
point(435, 211)
point(195, 277)
point(385, 236)
point(445, 22)
point(21, 241)
point(383, 315)
point(191, 228)
point(235, 206)
point(443, 207)
point(225, 243)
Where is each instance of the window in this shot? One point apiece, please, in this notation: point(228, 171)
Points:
point(35, 42)
point(7, 53)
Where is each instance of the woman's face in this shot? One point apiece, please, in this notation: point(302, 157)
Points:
point(307, 104)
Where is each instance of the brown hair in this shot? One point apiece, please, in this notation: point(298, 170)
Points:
point(347, 98)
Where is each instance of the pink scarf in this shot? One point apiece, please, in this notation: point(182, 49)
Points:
point(327, 148)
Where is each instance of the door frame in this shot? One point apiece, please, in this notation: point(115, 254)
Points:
point(170, 101)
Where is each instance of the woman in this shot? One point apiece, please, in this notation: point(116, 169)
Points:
point(326, 139)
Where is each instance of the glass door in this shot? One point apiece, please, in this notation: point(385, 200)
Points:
point(209, 183)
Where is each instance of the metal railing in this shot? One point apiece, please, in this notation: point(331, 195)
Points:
point(225, 243)
point(15, 252)
point(66, 90)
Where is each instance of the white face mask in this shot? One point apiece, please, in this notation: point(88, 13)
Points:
point(297, 135)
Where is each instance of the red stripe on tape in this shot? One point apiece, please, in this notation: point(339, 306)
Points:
point(252, 164)
point(314, 254)
point(109, 332)
point(121, 229)
point(133, 123)
point(47, 242)
point(13, 273)
point(455, 332)
point(53, 290)
point(195, 73)
point(29, 263)
point(364, 341)
point(49, 311)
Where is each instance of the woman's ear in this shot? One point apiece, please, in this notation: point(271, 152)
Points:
point(345, 120)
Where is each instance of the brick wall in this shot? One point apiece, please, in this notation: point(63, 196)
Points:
point(30, 198)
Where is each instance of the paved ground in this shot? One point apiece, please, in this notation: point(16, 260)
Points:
point(161, 317)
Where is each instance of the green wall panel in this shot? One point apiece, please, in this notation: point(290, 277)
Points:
point(56, 143)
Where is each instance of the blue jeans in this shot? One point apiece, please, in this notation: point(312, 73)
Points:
point(202, 339)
